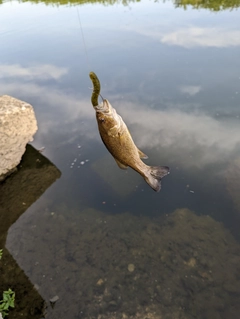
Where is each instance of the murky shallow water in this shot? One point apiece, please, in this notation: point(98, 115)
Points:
point(173, 74)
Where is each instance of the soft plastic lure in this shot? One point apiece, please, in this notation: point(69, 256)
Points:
point(96, 88)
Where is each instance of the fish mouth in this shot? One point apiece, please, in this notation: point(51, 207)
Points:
point(103, 107)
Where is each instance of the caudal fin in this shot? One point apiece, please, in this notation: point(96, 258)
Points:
point(154, 176)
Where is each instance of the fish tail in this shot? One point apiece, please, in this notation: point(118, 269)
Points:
point(154, 176)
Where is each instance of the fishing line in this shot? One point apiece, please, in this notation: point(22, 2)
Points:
point(84, 43)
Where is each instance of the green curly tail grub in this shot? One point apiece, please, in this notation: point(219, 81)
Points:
point(96, 88)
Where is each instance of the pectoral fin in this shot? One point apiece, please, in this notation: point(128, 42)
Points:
point(142, 155)
point(122, 166)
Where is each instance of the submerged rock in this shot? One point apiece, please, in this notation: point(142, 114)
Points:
point(18, 192)
point(17, 126)
point(131, 267)
point(185, 266)
point(233, 182)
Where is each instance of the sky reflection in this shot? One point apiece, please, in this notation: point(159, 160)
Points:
point(173, 75)
point(173, 130)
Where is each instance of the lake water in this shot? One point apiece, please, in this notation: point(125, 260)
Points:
point(99, 238)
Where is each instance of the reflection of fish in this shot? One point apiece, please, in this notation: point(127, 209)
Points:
point(118, 141)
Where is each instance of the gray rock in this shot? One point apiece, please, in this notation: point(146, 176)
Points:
point(17, 126)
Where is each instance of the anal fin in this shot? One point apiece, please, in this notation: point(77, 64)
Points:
point(142, 155)
point(121, 165)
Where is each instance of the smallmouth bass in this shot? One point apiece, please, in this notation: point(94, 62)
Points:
point(117, 139)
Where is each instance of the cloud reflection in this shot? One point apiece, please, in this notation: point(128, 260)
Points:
point(43, 71)
point(193, 36)
point(206, 37)
point(190, 89)
point(202, 138)
point(194, 138)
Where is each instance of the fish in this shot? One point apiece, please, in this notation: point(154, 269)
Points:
point(118, 140)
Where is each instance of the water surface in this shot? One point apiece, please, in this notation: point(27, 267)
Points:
point(172, 72)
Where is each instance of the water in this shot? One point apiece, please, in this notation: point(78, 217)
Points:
point(172, 72)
